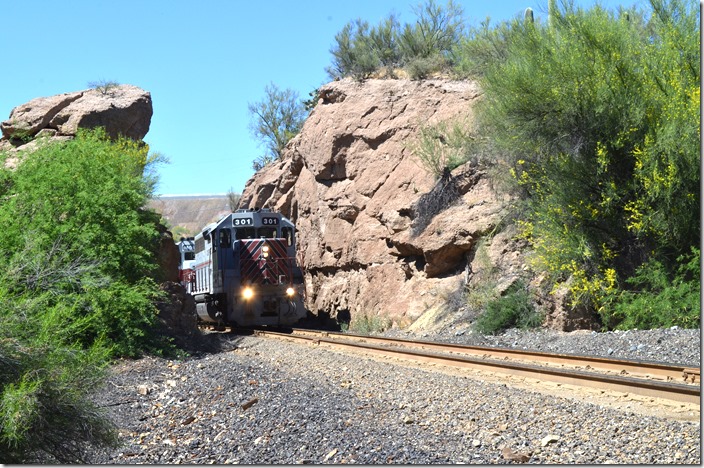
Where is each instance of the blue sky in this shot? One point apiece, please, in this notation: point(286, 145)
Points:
point(202, 62)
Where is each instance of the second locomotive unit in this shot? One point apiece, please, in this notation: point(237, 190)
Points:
point(245, 271)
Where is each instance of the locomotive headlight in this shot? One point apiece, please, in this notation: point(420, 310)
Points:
point(247, 293)
point(290, 291)
point(265, 251)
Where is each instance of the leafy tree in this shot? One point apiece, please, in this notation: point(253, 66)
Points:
point(433, 36)
point(274, 121)
point(76, 236)
point(598, 114)
point(77, 289)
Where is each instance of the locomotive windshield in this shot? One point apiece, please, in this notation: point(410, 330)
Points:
point(189, 255)
point(267, 232)
point(244, 233)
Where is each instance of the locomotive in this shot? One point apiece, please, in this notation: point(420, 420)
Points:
point(244, 271)
point(187, 256)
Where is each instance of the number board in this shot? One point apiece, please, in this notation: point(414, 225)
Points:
point(242, 221)
point(187, 247)
point(270, 221)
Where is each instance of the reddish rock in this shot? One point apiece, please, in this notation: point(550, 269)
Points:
point(350, 182)
point(28, 119)
point(123, 110)
point(370, 240)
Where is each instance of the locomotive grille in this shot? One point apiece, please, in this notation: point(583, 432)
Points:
point(256, 268)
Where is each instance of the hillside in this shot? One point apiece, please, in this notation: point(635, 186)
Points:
point(186, 214)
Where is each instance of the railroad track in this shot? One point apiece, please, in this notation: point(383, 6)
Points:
point(649, 379)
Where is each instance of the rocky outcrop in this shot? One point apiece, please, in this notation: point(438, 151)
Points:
point(122, 110)
point(353, 187)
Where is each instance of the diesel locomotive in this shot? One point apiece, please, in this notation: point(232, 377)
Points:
point(244, 271)
point(187, 255)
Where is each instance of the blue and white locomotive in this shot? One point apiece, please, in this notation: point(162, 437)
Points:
point(245, 271)
point(187, 256)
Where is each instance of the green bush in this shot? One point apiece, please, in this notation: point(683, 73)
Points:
point(422, 48)
point(513, 309)
point(443, 146)
point(660, 299)
point(421, 68)
point(78, 288)
point(78, 241)
point(368, 324)
point(46, 412)
point(597, 114)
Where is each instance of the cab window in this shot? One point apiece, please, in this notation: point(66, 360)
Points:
point(267, 232)
point(224, 238)
point(287, 233)
point(244, 233)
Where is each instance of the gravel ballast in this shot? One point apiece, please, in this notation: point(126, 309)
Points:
point(267, 401)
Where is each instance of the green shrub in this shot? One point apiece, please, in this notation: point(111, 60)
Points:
point(421, 68)
point(78, 288)
point(78, 244)
point(422, 47)
point(485, 278)
point(660, 299)
point(513, 309)
point(443, 146)
point(46, 412)
point(368, 324)
point(104, 87)
point(597, 114)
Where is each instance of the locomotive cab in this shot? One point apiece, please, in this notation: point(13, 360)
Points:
point(246, 273)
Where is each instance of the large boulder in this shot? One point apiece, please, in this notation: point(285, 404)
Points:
point(123, 110)
point(352, 185)
point(28, 119)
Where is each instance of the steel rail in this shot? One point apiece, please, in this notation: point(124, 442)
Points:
point(644, 387)
point(627, 367)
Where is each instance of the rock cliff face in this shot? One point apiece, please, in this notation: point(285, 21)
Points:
point(352, 185)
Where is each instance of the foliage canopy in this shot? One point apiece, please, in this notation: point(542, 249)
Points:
point(274, 121)
point(78, 288)
point(598, 116)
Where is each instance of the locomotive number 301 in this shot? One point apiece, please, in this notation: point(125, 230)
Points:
point(270, 221)
point(241, 221)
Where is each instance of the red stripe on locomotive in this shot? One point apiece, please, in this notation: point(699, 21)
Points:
point(276, 268)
